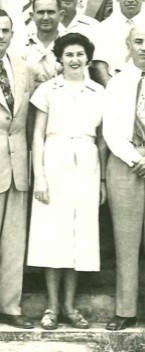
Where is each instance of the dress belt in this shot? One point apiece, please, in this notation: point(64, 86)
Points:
point(89, 138)
point(84, 137)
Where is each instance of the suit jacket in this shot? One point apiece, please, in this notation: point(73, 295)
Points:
point(13, 144)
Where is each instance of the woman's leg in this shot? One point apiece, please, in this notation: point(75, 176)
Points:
point(70, 284)
point(73, 316)
point(52, 282)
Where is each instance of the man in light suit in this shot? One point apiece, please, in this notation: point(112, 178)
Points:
point(124, 131)
point(14, 100)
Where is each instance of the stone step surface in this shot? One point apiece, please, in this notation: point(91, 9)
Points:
point(67, 339)
point(47, 347)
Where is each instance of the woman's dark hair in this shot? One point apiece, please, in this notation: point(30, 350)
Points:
point(71, 39)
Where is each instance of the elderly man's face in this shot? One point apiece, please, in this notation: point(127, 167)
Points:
point(5, 34)
point(46, 15)
point(130, 8)
point(136, 44)
point(69, 6)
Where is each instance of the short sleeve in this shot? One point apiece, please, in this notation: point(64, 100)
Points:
point(40, 98)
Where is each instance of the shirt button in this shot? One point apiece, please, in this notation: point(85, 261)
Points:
point(8, 118)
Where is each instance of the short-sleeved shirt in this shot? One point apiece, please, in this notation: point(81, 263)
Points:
point(70, 114)
point(41, 59)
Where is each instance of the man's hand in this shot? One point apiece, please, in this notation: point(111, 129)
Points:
point(42, 196)
point(139, 168)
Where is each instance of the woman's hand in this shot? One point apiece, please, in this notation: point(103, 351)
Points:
point(42, 196)
point(103, 193)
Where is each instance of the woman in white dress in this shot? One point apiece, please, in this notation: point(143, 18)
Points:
point(64, 231)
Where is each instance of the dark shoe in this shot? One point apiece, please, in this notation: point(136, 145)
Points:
point(19, 321)
point(49, 320)
point(76, 320)
point(120, 323)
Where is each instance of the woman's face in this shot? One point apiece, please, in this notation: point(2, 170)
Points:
point(74, 59)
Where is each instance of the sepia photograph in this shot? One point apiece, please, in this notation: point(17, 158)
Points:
point(72, 175)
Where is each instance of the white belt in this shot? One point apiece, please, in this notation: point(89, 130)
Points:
point(84, 137)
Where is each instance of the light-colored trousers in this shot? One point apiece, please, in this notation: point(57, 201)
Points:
point(126, 194)
point(13, 205)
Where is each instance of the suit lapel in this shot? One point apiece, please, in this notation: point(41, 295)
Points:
point(19, 82)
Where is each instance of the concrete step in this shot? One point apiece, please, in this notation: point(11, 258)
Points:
point(66, 339)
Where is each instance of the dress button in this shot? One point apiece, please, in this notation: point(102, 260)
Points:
point(8, 118)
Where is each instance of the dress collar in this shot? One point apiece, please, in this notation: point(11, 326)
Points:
point(60, 81)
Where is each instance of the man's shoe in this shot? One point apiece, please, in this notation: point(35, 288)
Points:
point(120, 323)
point(19, 321)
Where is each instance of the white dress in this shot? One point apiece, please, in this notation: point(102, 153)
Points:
point(65, 233)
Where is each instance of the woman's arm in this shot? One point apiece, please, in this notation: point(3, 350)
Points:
point(103, 155)
point(41, 188)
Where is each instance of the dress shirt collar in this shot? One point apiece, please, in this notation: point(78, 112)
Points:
point(120, 18)
point(60, 81)
point(5, 60)
point(35, 40)
point(78, 19)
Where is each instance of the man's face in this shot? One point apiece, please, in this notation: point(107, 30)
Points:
point(69, 6)
point(136, 45)
point(5, 34)
point(130, 8)
point(46, 15)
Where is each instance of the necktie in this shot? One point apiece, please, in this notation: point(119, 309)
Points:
point(5, 85)
point(139, 126)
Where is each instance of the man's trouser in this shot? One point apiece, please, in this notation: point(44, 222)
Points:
point(126, 193)
point(13, 205)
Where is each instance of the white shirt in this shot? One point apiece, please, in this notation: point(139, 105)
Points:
point(41, 60)
point(8, 68)
point(112, 40)
point(120, 112)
